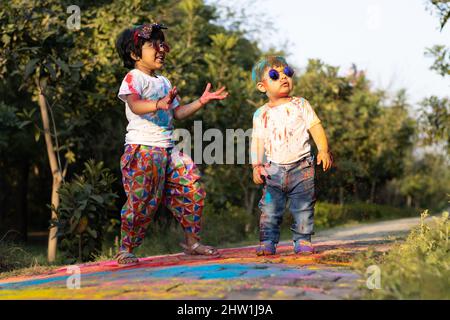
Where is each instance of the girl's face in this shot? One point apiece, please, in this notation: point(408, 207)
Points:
point(275, 89)
point(152, 59)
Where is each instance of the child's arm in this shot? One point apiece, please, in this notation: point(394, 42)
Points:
point(257, 155)
point(257, 152)
point(141, 106)
point(186, 110)
point(319, 137)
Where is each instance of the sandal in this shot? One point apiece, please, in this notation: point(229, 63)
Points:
point(126, 258)
point(192, 250)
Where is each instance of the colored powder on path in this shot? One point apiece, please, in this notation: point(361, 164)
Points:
point(238, 273)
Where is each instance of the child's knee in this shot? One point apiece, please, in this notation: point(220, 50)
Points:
point(270, 219)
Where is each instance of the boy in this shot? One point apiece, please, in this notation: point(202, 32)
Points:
point(282, 129)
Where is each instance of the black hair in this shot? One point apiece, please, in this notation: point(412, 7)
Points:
point(125, 44)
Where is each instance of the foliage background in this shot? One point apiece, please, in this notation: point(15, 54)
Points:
point(373, 134)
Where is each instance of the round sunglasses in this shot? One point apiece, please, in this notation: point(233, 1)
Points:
point(275, 75)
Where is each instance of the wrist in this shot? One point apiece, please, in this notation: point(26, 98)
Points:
point(202, 102)
point(156, 105)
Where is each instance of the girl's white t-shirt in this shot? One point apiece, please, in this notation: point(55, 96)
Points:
point(154, 128)
point(284, 130)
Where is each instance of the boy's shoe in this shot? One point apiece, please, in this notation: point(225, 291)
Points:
point(303, 247)
point(266, 248)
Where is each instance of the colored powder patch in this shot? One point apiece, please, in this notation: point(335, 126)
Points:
point(268, 197)
point(129, 80)
point(237, 274)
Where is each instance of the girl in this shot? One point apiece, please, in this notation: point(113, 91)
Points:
point(152, 171)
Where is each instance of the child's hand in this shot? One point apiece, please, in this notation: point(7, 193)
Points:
point(208, 96)
point(258, 173)
point(164, 103)
point(325, 158)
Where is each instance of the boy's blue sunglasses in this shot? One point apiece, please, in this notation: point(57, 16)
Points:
point(275, 75)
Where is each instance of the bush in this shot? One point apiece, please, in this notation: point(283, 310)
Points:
point(82, 214)
point(228, 225)
point(328, 215)
point(419, 268)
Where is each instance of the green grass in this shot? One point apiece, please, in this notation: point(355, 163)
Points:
point(18, 259)
point(418, 268)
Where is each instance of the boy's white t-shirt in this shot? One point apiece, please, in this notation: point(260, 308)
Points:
point(154, 128)
point(284, 130)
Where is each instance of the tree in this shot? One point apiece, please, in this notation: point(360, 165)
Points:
point(442, 9)
point(435, 122)
point(368, 135)
point(38, 50)
point(78, 73)
point(435, 112)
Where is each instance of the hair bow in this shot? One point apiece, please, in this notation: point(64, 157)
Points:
point(145, 31)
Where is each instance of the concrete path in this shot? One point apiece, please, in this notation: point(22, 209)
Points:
point(237, 274)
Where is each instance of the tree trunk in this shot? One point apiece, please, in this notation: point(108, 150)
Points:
point(408, 200)
point(56, 172)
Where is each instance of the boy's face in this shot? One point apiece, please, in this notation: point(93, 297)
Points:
point(279, 88)
point(151, 58)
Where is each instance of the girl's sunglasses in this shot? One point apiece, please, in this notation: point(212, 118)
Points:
point(275, 75)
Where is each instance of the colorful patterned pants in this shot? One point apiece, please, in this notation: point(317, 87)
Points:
point(151, 175)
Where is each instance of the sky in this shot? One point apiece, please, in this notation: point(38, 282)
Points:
point(385, 38)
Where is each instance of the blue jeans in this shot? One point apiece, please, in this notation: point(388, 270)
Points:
point(293, 182)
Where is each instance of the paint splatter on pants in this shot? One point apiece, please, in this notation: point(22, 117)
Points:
point(293, 182)
point(151, 175)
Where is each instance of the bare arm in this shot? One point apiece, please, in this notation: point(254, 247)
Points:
point(257, 151)
point(319, 137)
point(257, 156)
point(142, 106)
point(186, 110)
point(139, 106)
